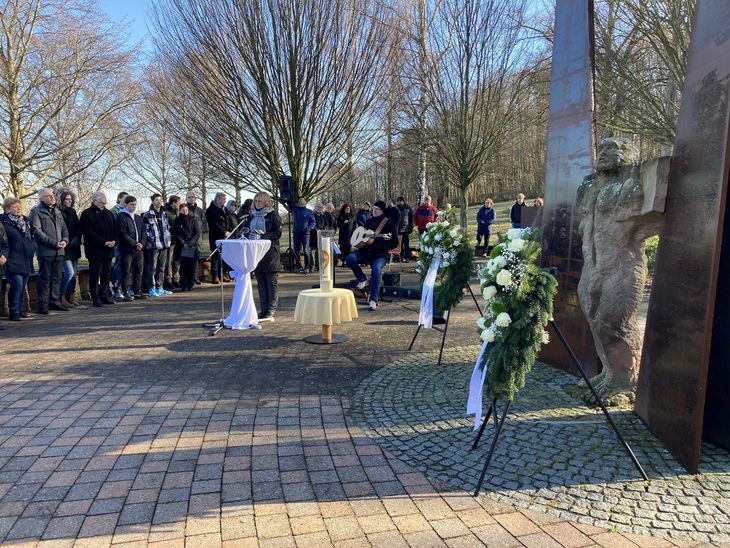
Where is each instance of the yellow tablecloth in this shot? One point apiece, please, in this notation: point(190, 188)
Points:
point(325, 308)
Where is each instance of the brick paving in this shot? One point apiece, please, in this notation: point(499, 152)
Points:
point(130, 426)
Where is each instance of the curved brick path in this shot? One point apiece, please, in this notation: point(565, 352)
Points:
point(130, 426)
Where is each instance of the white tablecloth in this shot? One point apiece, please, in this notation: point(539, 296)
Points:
point(243, 256)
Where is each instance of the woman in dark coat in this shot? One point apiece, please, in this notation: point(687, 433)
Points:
point(67, 200)
point(186, 234)
point(21, 248)
point(346, 222)
point(265, 220)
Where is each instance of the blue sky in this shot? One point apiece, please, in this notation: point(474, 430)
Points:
point(134, 13)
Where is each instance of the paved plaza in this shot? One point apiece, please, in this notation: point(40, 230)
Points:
point(130, 426)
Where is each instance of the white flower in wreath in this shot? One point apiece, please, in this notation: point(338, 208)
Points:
point(504, 278)
point(428, 225)
point(545, 337)
point(482, 323)
point(454, 232)
point(514, 233)
point(517, 245)
point(503, 320)
point(488, 334)
point(445, 223)
point(498, 263)
point(438, 237)
point(489, 292)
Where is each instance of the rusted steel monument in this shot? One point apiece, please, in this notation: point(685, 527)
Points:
point(684, 383)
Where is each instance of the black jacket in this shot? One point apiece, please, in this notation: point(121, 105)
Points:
point(4, 247)
point(381, 246)
point(48, 229)
point(73, 249)
point(196, 212)
point(345, 224)
point(130, 232)
point(185, 233)
point(218, 223)
point(98, 226)
point(515, 212)
point(405, 226)
point(21, 247)
point(271, 261)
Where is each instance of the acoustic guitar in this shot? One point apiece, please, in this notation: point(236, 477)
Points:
point(362, 237)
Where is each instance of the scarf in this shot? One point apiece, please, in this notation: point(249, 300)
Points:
point(20, 223)
point(258, 219)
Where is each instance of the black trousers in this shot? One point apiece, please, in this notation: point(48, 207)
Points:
point(100, 271)
point(50, 272)
point(405, 246)
point(187, 272)
point(132, 268)
point(268, 286)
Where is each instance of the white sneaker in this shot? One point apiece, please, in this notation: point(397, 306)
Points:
point(362, 285)
point(372, 305)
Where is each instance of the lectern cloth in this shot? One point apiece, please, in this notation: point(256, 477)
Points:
point(318, 307)
point(243, 256)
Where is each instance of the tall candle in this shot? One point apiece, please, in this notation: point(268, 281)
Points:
point(325, 264)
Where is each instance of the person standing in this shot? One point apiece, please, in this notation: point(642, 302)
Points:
point(4, 252)
point(245, 210)
point(364, 213)
point(425, 213)
point(485, 219)
point(375, 253)
point(51, 237)
point(19, 255)
point(117, 267)
point(405, 227)
point(346, 224)
point(73, 249)
point(158, 242)
point(99, 231)
point(196, 212)
point(266, 223)
point(172, 265)
point(303, 221)
point(515, 212)
point(186, 235)
point(218, 229)
point(132, 237)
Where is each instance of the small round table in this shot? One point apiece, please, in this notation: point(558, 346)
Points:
point(325, 308)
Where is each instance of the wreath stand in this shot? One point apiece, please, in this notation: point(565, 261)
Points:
point(499, 422)
point(446, 326)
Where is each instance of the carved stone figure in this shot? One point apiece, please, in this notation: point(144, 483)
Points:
point(615, 224)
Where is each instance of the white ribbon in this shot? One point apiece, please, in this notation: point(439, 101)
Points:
point(476, 389)
point(425, 316)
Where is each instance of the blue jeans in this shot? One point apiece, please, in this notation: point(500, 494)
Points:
point(154, 266)
point(376, 264)
point(68, 281)
point(117, 268)
point(16, 283)
point(301, 239)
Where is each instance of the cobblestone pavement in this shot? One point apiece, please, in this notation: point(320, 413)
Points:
point(129, 425)
point(555, 455)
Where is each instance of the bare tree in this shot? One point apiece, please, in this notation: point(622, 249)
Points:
point(479, 58)
point(64, 81)
point(283, 84)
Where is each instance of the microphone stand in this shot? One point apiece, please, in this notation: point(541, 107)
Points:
point(215, 327)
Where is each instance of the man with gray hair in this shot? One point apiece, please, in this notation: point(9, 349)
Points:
point(219, 227)
point(51, 236)
point(98, 227)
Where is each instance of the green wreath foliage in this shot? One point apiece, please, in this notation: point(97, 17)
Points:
point(453, 277)
point(528, 301)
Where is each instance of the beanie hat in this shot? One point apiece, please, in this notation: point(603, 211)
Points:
point(380, 204)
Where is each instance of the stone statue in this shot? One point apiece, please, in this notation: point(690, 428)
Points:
point(615, 224)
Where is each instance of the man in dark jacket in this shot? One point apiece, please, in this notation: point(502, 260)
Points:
point(4, 252)
point(515, 212)
point(131, 237)
point(197, 213)
point(218, 229)
point(99, 230)
point(303, 222)
point(405, 227)
point(51, 237)
point(375, 253)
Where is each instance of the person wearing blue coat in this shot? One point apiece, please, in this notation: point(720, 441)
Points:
point(303, 222)
point(21, 248)
point(485, 218)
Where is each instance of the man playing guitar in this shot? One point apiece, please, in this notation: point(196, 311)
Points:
point(375, 253)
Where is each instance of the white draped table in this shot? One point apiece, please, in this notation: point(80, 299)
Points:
point(243, 256)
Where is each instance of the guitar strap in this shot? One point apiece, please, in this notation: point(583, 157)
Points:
point(382, 224)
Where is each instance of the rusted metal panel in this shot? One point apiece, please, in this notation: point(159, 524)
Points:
point(678, 344)
point(569, 158)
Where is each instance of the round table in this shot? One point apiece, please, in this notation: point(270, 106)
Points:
point(325, 308)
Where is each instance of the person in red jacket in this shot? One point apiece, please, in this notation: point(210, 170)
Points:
point(425, 213)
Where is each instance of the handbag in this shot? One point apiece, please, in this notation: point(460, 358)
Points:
point(188, 253)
